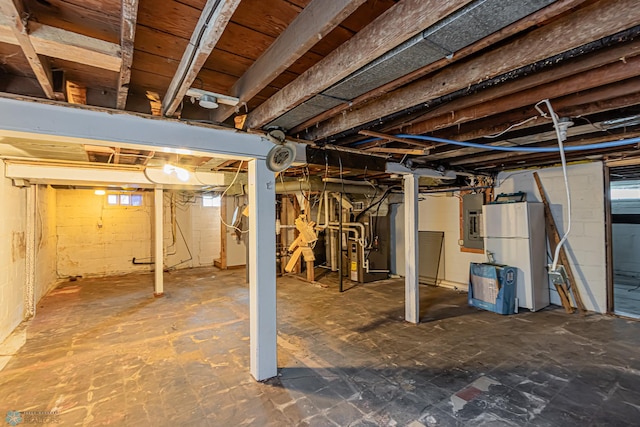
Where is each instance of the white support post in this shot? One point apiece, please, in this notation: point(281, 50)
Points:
point(30, 258)
point(158, 243)
point(411, 285)
point(262, 274)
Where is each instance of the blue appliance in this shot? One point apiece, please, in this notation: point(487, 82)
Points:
point(493, 287)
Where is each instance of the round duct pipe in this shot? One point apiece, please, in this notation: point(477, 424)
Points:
point(318, 185)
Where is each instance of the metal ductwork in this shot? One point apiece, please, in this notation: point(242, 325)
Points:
point(462, 28)
point(316, 184)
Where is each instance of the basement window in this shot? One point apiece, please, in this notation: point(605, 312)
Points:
point(124, 199)
point(210, 200)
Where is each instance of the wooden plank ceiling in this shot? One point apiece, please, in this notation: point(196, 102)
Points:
point(299, 64)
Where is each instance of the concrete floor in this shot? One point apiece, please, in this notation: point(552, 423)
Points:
point(626, 296)
point(104, 351)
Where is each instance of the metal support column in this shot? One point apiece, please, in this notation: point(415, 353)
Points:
point(262, 274)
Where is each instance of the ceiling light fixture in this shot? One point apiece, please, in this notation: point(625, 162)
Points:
point(99, 192)
point(211, 100)
point(181, 173)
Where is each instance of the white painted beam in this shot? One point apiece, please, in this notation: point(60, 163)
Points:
point(411, 284)
point(262, 274)
point(158, 242)
point(84, 125)
point(42, 173)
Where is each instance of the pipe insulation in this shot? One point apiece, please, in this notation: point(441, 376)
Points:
point(318, 185)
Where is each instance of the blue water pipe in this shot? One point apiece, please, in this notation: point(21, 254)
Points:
point(610, 144)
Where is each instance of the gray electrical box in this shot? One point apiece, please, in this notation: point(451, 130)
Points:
point(472, 221)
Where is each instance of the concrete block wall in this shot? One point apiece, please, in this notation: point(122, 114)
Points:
point(441, 212)
point(95, 239)
point(438, 212)
point(626, 241)
point(586, 243)
point(205, 234)
point(12, 254)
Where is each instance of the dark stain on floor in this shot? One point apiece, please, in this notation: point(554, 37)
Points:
point(104, 351)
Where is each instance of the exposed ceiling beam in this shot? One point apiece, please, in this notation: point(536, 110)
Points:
point(399, 23)
point(213, 20)
point(314, 22)
point(127, 37)
point(14, 11)
point(529, 159)
point(523, 24)
point(595, 101)
point(600, 19)
point(396, 139)
point(391, 150)
point(62, 44)
point(423, 123)
point(563, 82)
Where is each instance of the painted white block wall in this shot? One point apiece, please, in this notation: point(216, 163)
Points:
point(439, 212)
point(626, 241)
point(95, 239)
point(586, 244)
point(205, 234)
point(12, 254)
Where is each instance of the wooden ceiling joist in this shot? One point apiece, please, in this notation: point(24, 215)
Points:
point(316, 20)
point(529, 159)
point(598, 20)
point(593, 77)
point(523, 24)
point(127, 37)
point(62, 44)
point(466, 108)
point(384, 136)
point(213, 20)
point(598, 100)
point(399, 23)
point(14, 11)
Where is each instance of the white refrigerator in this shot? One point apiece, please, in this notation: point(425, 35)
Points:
point(515, 234)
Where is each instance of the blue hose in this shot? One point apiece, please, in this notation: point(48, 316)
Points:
point(610, 144)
